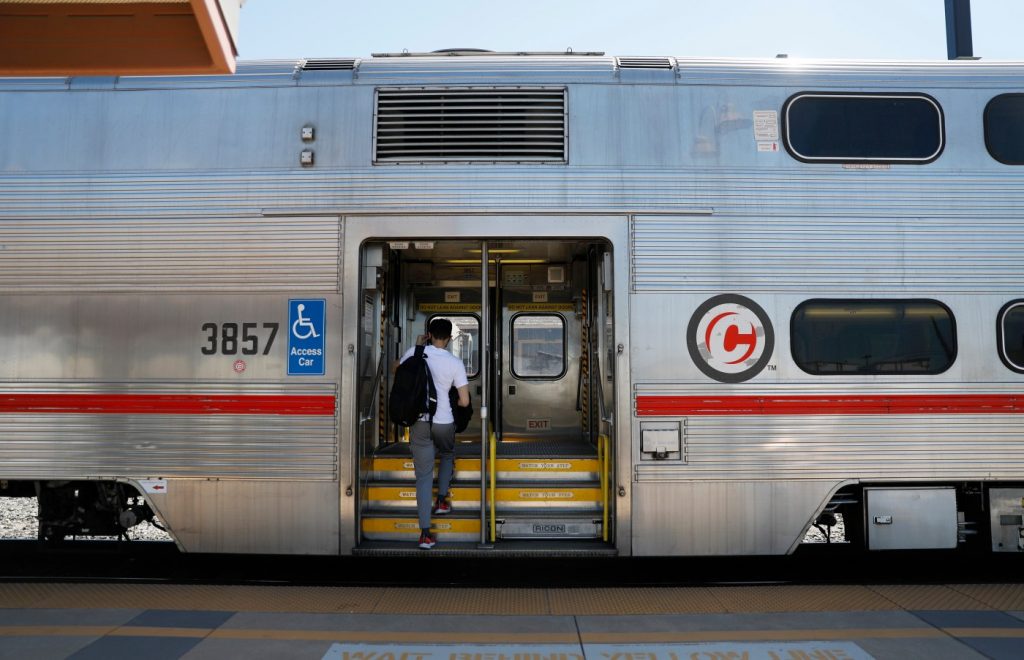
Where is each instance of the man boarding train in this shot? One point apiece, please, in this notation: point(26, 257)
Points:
point(436, 433)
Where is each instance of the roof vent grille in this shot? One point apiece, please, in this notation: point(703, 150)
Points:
point(329, 65)
point(645, 63)
point(470, 124)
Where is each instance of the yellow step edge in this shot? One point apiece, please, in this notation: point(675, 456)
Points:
point(547, 465)
point(503, 494)
point(541, 494)
point(412, 525)
point(409, 493)
point(406, 464)
point(503, 464)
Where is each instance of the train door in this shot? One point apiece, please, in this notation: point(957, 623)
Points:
point(548, 470)
point(537, 467)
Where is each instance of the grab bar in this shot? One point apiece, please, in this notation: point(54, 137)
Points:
point(491, 495)
point(603, 460)
point(367, 414)
point(602, 411)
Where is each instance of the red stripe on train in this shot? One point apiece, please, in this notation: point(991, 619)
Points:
point(851, 404)
point(167, 404)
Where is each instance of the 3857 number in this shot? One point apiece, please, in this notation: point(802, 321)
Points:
point(235, 338)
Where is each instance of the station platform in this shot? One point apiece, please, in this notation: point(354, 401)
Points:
point(819, 622)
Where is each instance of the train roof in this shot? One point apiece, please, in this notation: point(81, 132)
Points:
point(563, 68)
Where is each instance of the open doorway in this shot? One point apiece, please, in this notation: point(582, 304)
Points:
point(535, 343)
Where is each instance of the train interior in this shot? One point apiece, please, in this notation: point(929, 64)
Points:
point(535, 342)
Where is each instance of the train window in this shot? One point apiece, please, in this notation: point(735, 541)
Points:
point(1004, 128)
point(538, 346)
point(465, 343)
point(863, 128)
point(1010, 340)
point(856, 337)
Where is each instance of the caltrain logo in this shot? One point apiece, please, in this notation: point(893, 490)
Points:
point(730, 338)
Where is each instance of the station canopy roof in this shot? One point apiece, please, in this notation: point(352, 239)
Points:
point(117, 37)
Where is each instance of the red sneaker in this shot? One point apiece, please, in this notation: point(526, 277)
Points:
point(442, 507)
point(427, 541)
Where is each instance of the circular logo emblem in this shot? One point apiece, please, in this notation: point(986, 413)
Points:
point(730, 338)
point(238, 366)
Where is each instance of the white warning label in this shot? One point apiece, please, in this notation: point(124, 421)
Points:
point(766, 125)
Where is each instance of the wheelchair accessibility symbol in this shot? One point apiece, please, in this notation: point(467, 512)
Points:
point(307, 328)
point(306, 347)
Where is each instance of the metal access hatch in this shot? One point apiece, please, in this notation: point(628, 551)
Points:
point(911, 518)
point(1006, 508)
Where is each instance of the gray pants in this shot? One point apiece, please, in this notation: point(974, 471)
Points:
point(424, 439)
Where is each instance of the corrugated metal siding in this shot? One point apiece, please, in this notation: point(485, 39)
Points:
point(840, 447)
point(98, 255)
point(890, 74)
point(78, 446)
point(536, 187)
point(445, 69)
point(827, 254)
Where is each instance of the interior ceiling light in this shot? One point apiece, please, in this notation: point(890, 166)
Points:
point(470, 262)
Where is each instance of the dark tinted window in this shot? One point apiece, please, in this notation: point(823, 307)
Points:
point(873, 337)
point(538, 346)
point(1011, 335)
point(1004, 128)
point(846, 128)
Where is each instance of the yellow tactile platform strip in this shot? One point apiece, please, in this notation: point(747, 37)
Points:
point(537, 602)
point(931, 597)
point(814, 598)
point(1006, 597)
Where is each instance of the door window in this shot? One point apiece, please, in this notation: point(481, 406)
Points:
point(538, 346)
point(465, 343)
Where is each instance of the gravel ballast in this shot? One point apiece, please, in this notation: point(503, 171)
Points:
point(19, 521)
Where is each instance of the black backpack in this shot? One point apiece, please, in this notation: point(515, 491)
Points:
point(413, 393)
point(462, 415)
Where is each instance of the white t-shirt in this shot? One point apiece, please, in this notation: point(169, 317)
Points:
point(445, 370)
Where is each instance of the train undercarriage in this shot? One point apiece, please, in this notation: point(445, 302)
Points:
point(966, 517)
point(75, 509)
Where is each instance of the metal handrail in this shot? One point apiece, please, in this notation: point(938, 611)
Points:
point(600, 462)
point(367, 414)
point(603, 447)
point(485, 368)
point(579, 387)
point(604, 443)
point(602, 411)
point(491, 494)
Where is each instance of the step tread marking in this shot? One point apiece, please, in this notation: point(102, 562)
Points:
point(526, 463)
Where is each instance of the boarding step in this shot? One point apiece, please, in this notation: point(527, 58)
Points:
point(505, 548)
point(548, 526)
point(455, 528)
point(518, 468)
point(580, 498)
point(386, 496)
point(451, 528)
point(508, 497)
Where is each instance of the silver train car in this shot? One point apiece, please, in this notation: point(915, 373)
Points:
point(705, 305)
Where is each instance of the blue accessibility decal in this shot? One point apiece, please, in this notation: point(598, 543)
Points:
point(307, 325)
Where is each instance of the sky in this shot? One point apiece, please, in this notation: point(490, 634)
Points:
point(841, 29)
